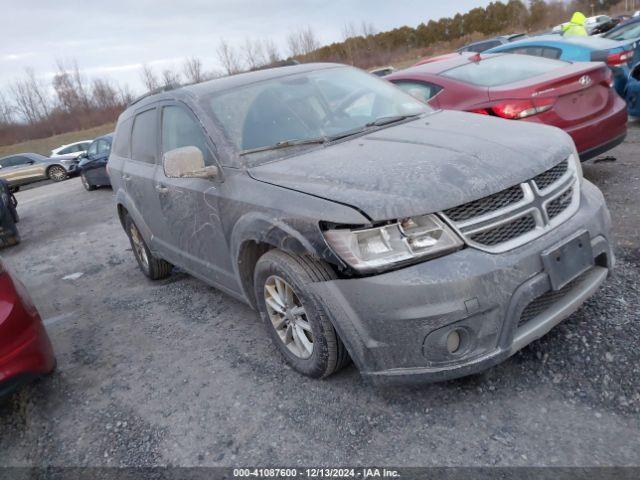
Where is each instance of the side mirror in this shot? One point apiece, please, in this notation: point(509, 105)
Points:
point(187, 162)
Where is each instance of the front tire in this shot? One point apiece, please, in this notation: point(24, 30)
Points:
point(296, 319)
point(153, 267)
point(57, 173)
point(86, 184)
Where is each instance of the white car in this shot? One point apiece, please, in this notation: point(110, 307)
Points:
point(72, 150)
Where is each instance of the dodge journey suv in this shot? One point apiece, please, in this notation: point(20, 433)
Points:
point(359, 222)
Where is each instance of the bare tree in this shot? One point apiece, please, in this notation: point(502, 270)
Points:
point(69, 88)
point(6, 110)
point(192, 70)
point(271, 51)
point(349, 34)
point(125, 95)
point(149, 78)
point(228, 58)
point(170, 79)
point(32, 103)
point(104, 95)
point(302, 42)
point(253, 54)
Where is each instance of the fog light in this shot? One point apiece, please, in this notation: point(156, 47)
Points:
point(453, 341)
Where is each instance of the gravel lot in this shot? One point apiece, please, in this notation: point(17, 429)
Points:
point(178, 373)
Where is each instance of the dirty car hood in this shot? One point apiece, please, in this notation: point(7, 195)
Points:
point(427, 165)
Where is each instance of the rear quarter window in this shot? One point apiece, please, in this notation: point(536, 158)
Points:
point(121, 142)
point(423, 91)
point(144, 137)
point(502, 70)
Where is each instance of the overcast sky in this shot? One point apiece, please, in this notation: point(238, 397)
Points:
point(113, 38)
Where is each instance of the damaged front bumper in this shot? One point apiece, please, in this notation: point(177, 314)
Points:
point(395, 325)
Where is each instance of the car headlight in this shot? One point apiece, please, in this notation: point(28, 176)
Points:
point(403, 241)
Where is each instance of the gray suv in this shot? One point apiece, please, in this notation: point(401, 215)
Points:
point(361, 224)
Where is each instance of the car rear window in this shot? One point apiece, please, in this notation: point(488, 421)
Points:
point(502, 70)
point(122, 138)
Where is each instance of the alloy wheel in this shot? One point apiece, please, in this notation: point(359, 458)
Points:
point(288, 317)
point(138, 245)
point(57, 174)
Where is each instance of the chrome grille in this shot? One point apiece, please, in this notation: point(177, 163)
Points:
point(485, 205)
point(505, 232)
point(518, 214)
point(551, 176)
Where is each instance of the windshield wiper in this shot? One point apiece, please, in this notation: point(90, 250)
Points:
point(285, 144)
point(378, 122)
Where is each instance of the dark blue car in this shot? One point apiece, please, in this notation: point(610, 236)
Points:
point(93, 164)
point(627, 32)
point(578, 49)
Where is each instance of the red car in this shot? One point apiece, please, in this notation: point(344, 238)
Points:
point(25, 349)
point(577, 97)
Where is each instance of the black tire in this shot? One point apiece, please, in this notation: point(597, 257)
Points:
point(153, 267)
point(329, 353)
point(57, 173)
point(10, 239)
point(86, 184)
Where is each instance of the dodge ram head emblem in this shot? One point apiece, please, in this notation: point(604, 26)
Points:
point(585, 80)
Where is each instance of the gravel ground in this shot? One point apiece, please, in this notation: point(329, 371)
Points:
point(178, 373)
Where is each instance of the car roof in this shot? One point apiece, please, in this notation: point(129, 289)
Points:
point(229, 82)
point(107, 136)
point(617, 28)
point(437, 67)
point(592, 43)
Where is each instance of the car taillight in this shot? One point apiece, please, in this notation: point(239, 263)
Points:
point(516, 109)
point(620, 58)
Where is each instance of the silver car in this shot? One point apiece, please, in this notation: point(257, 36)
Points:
point(24, 168)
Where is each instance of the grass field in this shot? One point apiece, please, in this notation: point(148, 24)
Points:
point(45, 145)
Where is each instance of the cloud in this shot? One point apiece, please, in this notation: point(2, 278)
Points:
point(16, 56)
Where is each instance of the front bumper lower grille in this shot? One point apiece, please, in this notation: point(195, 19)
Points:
point(545, 301)
point(518, 214)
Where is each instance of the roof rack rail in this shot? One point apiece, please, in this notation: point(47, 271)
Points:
point(165, 88)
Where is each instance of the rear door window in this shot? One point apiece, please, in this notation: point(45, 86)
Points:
point(421, 90)
point(144, 137)
point(502, 70)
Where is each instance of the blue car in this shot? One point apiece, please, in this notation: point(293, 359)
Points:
point(578, 49)
point(633, 92)
point(627, 32)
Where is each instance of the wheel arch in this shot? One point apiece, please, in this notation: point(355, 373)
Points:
point(253, 236)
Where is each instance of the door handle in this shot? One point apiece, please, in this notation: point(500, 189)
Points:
point(126, 178)
point(162, 188)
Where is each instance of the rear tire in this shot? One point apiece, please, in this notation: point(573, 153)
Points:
point(57, 173)
point(86, 184)
point(11, 239)
point(153, 267)
point(276, 269)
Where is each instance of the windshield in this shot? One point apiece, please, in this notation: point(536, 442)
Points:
point(504, 69)
point(309, 106)
point(626, 32)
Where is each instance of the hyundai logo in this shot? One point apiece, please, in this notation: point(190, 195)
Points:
point(585, 80)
